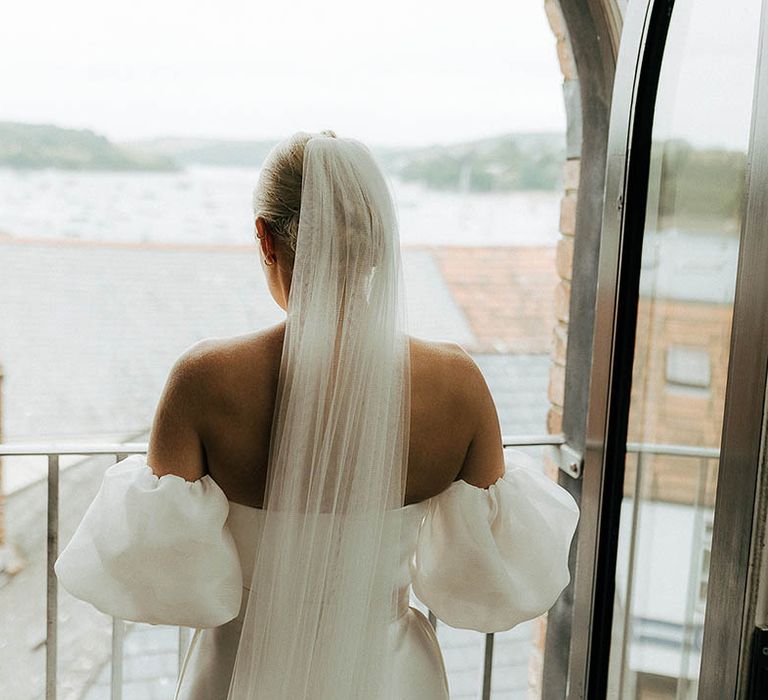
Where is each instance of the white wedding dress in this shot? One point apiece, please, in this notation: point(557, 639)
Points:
point(166, 551)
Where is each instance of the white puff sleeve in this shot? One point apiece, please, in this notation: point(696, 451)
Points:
point(489, 559)
point(155, 549)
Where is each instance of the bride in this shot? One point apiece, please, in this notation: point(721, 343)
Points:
point(300, 479)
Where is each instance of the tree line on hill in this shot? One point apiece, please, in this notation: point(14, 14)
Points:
point(697, 185)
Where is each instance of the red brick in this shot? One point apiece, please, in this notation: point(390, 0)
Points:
point(568, 214)
point(562, 300)
point(564, 259)
point(571, 173)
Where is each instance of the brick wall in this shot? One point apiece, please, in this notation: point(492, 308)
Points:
point(562, 296)
point(664, 412)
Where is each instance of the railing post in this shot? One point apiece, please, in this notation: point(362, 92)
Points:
point(488, 666)
point(116, 681)
point(184, 637)
point(688, 643)
point(2, 490)
point(628, 622)
point(52, 601)
point(432, 619)
point(118, 637)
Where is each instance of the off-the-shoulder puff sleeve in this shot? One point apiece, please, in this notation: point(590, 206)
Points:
point(489, 559)
point(155, 549)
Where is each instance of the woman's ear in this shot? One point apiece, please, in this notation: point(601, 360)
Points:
point(266, 240)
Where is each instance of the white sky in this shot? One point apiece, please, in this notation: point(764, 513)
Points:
point(395, 72)
point(708, 76)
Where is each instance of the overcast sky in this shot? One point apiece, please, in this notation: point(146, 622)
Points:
point(395, 72)
point(708, 76)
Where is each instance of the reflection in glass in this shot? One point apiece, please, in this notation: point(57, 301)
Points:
point(688, 274)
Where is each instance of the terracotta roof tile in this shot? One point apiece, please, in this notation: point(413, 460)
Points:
point(506, 294)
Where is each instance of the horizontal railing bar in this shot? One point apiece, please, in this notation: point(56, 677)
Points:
point(86, 450)
point(531, 440)
point(36, 449)
point(129, 448)
point(673, 450)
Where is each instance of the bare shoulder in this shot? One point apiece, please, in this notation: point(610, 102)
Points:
point(451, 365)
point(450, 372)
point(188, 374)
point(429, 351)
point(219, 369)
point(197, 360)
point(215, 359)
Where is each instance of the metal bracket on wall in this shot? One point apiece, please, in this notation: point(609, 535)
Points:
point(568, 459)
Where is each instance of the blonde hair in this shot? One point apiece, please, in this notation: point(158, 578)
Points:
point(277, 197)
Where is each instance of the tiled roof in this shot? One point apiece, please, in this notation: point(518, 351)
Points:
point(88, 331)
point(506, 294)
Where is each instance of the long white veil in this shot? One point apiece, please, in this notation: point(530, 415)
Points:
point(323, 584)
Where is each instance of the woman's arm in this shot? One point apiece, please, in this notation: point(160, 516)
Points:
point(484, 461)
point(175, 444)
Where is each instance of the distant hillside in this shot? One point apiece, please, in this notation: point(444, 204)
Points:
point(26, 146)
point(215, 152)
point(509, 162)
point(695, 193)
point(700, 189)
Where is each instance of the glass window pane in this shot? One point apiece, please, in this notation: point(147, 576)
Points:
point(688, 275)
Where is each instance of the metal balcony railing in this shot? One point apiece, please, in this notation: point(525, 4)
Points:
point(53, 452)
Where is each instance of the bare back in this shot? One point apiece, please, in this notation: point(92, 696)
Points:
point(454, 427)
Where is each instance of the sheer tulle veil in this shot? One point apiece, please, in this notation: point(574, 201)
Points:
point(324, 582)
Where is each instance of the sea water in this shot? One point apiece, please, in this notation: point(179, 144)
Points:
point(208, 205)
